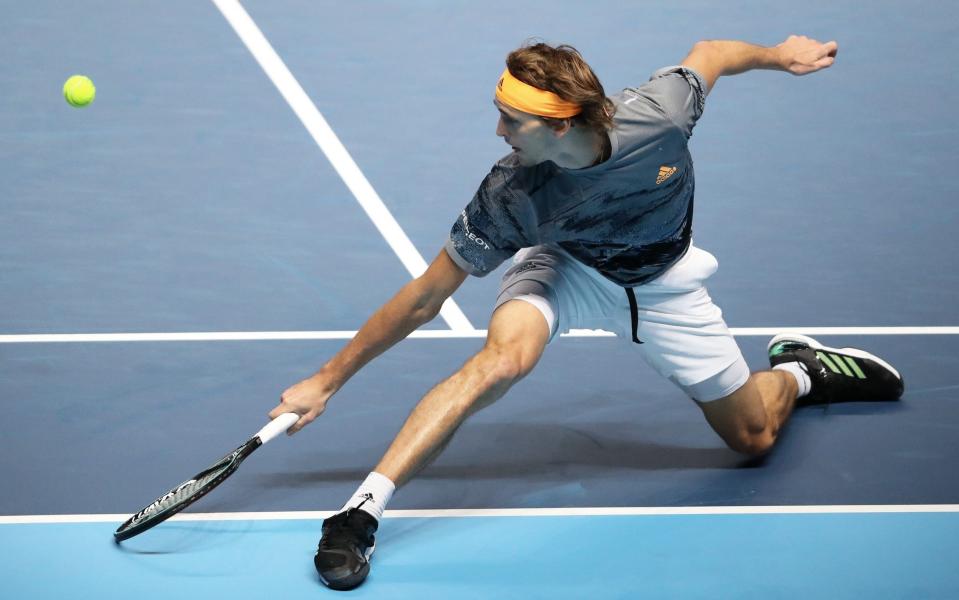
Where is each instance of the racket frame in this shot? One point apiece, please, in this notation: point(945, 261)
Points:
point(135, 526)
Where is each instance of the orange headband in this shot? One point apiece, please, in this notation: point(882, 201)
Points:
point(522, 96)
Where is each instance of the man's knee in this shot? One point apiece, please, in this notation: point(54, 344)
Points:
point(517, 337)
point(505, 364)
point(741, 421)
point(751, 443)
point(491, 371)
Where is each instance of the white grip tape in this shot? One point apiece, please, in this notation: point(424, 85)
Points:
point(277, 426)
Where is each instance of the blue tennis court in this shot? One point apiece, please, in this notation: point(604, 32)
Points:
point(255, 179)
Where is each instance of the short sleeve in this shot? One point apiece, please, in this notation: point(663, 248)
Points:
point(491, 227)
point(680, 92)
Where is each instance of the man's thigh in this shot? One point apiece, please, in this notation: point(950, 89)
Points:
point(519, 329)
point(569, 294)
point(685, 338)
point(683, 334)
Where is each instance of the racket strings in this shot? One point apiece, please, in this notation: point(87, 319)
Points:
point(186, 493)
point(181, 493)
point(189, 490)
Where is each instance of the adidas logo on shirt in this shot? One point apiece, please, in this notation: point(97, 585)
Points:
point(665, 173)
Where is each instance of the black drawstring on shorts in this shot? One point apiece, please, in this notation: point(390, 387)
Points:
point(633, 313)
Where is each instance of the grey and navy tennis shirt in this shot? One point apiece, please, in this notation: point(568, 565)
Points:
point(629, 217)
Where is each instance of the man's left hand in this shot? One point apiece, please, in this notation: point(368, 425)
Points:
point(801, 55)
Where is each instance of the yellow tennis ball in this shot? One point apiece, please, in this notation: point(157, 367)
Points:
point(79, 91)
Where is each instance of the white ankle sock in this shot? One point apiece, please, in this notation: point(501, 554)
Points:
point(797, 371)
point(372, 495)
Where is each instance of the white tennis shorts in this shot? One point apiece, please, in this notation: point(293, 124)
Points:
point(683, 335)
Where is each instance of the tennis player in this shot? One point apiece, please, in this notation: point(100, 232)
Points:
point(594, 204)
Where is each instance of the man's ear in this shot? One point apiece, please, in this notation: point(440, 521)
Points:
point(560, 127)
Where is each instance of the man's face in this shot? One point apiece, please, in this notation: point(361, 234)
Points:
point(532, 140)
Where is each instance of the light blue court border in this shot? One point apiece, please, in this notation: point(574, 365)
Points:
point(834, 556)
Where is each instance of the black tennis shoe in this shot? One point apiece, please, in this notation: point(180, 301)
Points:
point(837, 374)
point(343, 556)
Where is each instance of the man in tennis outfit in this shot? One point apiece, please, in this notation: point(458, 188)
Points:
point(594, 205)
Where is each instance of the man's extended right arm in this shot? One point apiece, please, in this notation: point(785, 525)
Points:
point(417, 303)
point(798, 55)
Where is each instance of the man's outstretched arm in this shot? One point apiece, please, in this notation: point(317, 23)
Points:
point(798, 55)
point(417, 303)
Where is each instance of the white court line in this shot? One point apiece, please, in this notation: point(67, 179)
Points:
point(227, 336)
point(600, 511)
point(334, 150)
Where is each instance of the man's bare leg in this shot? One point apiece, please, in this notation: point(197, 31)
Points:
point(517, 336)
point(749, 419)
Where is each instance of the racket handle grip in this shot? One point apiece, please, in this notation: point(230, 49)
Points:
point(277, 426)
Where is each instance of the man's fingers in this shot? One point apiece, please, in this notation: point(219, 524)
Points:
point(821, 57)
point(303, 422)
point(307, 398)
point(815, 50)
point(823, 63)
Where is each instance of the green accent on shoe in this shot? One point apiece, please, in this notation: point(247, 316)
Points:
point(826, 361)
point(855, 368)
point(842, 365)
point(778, 349)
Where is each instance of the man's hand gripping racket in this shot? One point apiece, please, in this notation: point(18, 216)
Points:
point(195, 488)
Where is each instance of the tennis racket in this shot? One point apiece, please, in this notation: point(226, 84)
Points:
point(200, 484)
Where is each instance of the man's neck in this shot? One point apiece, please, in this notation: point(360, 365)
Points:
point(583, 148)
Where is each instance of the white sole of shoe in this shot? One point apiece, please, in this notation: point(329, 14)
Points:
point(856, 352)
